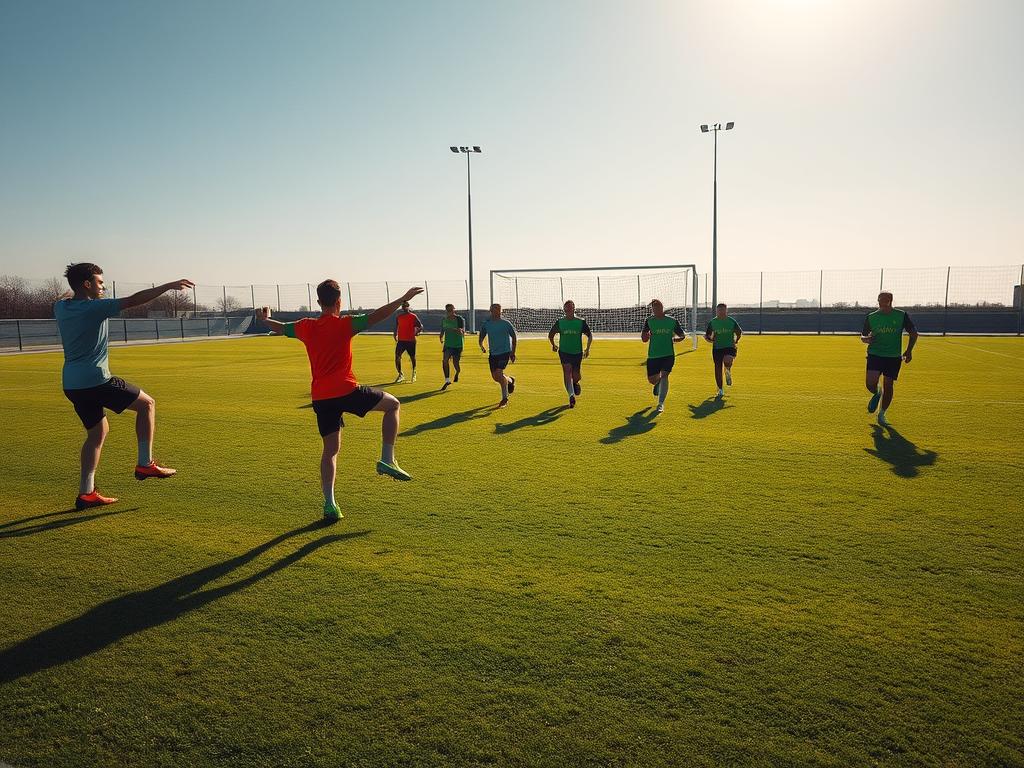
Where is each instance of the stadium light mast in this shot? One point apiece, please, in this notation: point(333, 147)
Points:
point(715, 128)
point(469, 205)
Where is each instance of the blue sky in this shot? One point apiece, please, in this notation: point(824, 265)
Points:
point(286, 141)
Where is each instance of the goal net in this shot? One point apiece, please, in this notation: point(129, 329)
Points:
point(611, 300)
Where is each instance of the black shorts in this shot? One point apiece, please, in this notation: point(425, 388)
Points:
point(114, 395)
point(887, 366)
point(452, 353)
point(664, 364)
point(405, 346)
point(360, 401)
point(568, 358)
point(719, 354)
point(499, 362)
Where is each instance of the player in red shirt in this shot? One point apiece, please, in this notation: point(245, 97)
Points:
point(335, 391)
point(407, 328)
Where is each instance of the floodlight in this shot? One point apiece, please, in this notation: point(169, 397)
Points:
point(729, 125)
point(454, 149)
point(703, 129)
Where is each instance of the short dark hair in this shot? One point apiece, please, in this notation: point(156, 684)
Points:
point(720, 305)
point(405, 304)
point(79, 273)
point(449, 306)
point(328, 292)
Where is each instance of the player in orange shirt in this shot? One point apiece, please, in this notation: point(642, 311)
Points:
point(335, 391)
point(407, 328)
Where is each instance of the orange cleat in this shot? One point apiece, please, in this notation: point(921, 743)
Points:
point(153, 470)
point(90, 500)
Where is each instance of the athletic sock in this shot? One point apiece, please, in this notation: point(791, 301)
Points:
point(569, 389)
point(387, 453)
point(663, 391)
point(87, 483)
point(504, 388)
point(144, 454)
point(447, 379)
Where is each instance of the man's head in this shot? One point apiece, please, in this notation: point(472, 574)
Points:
point(657, 307)
point(885, 301)
point(721, 311)
point(328, 296)
point(85, 279)
point(496, 311)
point(449, 310)
point(405, 306)
point(570, 308)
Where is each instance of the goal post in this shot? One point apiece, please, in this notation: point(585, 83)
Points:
point(613, 300)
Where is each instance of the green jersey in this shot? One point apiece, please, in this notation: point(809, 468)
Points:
point(662, 330)
point(452, 338)
point(570, 334)
point(724, 332)
point(888, 328)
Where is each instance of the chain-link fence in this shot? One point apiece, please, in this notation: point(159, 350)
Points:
point(941, 300)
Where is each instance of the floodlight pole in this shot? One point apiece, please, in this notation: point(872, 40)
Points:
point(469, 217)
point(715, 128)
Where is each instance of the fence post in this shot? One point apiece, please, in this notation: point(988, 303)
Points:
point(195, 302)
point(350, 307)
point(114, 288)
point(599, 294)
point(278, 297)
point(426, 293)
point(821, 280)
point(1020, 313)
point(881, 279)
point(207, 326)
point(309, 299)
point(125, 322)
point(252, 296)
point(387, 291)
point(224, 288)
point(156, 327)
point(760, 307)
point(945, 310)
point(21, 348)
point(639, 302)
point(181, 322)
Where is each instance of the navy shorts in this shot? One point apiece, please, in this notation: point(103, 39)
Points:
point(452, 353)
point(114, 395)
point(887, 366)
point(568, 358)
point(406, 346)
point(663, 364)
point(499, 362)
point(719, 354)
point(360, 401)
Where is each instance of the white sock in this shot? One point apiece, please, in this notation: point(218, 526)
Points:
point(569, 388)
point(663, 391)
point(387, 453)
point(504, 388)
point(447, 379)
point(144, 455)
point(87, 483)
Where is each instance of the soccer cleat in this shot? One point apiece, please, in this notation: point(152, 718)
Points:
point(503, 403)
point(90, 500)
point(873, 402)
point(400, 378)
point(572, 401)
point(331, 512)
point(728, 377)
point(153, 470)
point(414, 376)
point(882, 420)
point(660, 408)
point(720, 393)
point(456, 376)
point(392, 470)
point(446, 385)
point(511, 384)
point(576, 387)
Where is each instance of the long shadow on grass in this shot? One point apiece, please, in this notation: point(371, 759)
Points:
point(460, 417)
point(420, 396)
point(637, 424)
point(53, 525)
point(123, 616)
point(537, 420)
point(893, 448)
point(688, 350)
point(708, 407)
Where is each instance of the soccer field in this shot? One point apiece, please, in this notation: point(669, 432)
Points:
point(769, 579)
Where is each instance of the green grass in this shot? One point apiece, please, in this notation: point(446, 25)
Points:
point(770, 583)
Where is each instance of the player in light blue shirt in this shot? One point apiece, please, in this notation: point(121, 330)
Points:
point(82, 321)
point(501, 336)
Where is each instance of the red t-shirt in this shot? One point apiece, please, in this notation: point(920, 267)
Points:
point(328, 341)
point(407, 325)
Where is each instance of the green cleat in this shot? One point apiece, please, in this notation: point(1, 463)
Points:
point(331, 512)
point(873, 402)
point(392, 470)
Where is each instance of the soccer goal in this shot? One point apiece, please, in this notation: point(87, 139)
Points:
point(613, 300)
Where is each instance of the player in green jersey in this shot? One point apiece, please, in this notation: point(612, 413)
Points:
point(453, 329)
point(660, 332)
point(571, 330)
point(883, 333)
point(723, 332)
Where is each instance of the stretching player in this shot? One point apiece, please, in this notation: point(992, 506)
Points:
point(453, 331)
point(503, 342)
point(724, 333)
point(570, 330)
point(660, 332)
point(407, 328)
point(883, 333)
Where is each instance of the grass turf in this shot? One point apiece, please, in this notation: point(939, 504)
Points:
point(768, 580)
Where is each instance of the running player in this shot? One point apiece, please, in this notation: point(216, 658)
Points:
point(407, 328)
point(82, 323)
point(883, 333)
point(453, 329)
point(335, 391)
point(503, 342)
point(571, 330)
point(724, 332)
point(659, 332)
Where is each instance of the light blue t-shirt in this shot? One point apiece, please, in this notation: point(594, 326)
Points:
point(83, 332)
point(500, 332)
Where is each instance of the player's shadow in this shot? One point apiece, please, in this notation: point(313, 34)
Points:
point(8, 531)
point(459, 417)
point(537, 420)
point(135, 612)
point(420, 396)
point(893, 448)
point(636, 424)
point(711, 405)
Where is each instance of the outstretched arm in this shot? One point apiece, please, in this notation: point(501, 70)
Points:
point(146, 296)
point(263, 316)
point(383, 313)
